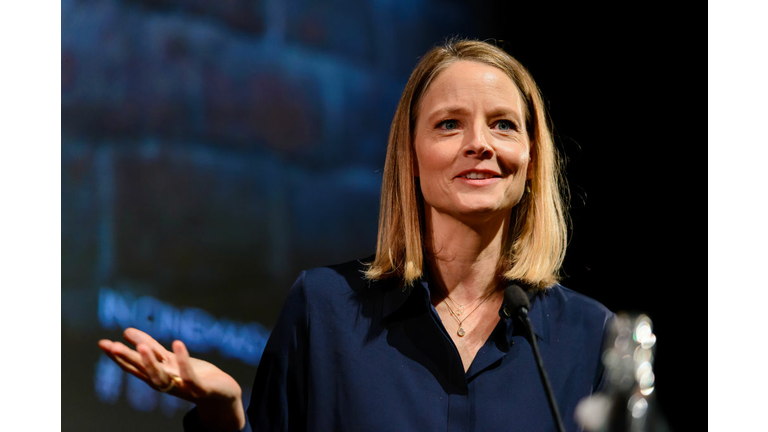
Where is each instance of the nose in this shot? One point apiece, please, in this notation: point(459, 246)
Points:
point(477, 144)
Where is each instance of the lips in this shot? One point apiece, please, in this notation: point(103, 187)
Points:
point(478, 178)
point(478, 174)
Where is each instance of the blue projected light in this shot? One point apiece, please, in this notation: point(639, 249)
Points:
point(200, 331)
point(141, 396)
point(108, 380)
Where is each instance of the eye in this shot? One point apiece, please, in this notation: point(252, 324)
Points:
point(506, 125)
point(448, 125)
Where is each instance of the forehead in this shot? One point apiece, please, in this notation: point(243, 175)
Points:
point(471, 84)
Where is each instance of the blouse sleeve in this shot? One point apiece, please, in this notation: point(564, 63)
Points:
point(279, 397)
point(278, 400)
point(600, 378)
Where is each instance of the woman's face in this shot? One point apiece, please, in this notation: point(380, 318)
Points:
point(472, 149)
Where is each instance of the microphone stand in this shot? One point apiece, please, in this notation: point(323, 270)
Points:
point(516, 303)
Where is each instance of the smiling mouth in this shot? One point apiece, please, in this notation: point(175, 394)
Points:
point(479, 176)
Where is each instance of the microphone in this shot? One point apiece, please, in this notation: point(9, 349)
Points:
point(516, 304)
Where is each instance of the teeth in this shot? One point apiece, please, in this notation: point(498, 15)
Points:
point(475, 176)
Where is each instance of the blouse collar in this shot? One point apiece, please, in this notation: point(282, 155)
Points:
point(396, 295)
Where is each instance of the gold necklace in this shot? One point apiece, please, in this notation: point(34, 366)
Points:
point(461, 331)
point(459, 308)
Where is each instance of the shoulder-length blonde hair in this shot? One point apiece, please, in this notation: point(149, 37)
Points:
point(535, 247)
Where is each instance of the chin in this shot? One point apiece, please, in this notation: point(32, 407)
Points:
point(476, 210)
point(486, 205)
point(479, 213)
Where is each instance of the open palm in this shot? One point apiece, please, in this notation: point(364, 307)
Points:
point(178, 374)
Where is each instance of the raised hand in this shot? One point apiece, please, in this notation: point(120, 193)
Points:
point(217, 395)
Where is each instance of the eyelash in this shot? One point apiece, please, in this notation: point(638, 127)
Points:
point(441, 125)
point(512, 125)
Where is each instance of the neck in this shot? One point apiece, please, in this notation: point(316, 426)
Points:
point(464, 258)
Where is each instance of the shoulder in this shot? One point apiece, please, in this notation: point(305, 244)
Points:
point(327, 294)
point(336, 278)
point(576, 325)
point(329, 284)
point(574, 306)
point(576, 300)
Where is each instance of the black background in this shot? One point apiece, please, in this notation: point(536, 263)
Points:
point(623, 91)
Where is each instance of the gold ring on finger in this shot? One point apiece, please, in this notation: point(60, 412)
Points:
point(174, 380)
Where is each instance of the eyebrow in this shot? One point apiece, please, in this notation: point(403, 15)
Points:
point(453, 110)
point(447, 112)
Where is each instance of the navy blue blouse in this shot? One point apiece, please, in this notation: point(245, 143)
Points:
point(347, 354)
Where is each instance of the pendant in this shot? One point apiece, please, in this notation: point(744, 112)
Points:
point(460, 332)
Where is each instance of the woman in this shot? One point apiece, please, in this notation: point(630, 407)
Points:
point(413, 339)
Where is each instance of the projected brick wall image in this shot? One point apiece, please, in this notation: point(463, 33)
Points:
point(211, 151)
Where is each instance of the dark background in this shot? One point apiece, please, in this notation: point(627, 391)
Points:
point(212, 150)
point(620, 88)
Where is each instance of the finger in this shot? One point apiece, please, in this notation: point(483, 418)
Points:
point(133, 370)
point(186, 371)
point(125, 365)
point(157, 375)
point(136, 337)
point(106, 346)
point(122, 351)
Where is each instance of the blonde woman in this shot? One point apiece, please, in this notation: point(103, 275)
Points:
point(411, 338)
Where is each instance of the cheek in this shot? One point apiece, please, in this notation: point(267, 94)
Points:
point(432, 169)
point(515, 160)
point(432, 162)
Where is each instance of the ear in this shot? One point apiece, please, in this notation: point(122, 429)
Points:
point(530, 170)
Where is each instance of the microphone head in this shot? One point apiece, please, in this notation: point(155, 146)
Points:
point(515, 301)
